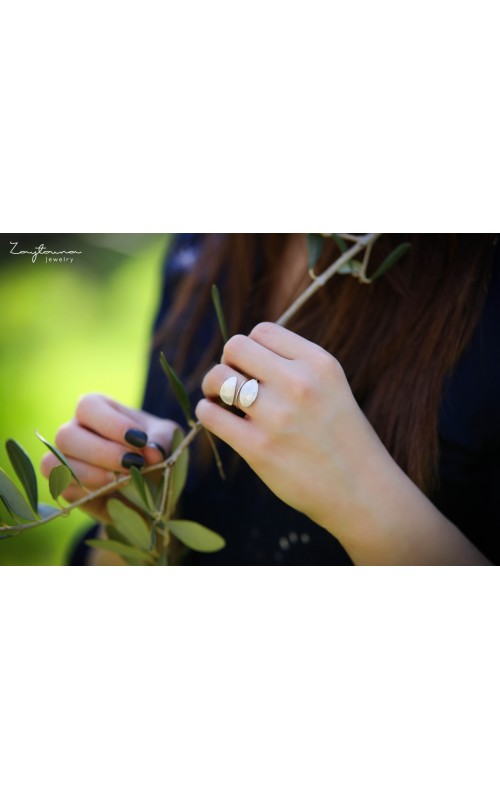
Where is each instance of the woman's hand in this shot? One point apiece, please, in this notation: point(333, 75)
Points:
point(106, 438)
point(308, 440)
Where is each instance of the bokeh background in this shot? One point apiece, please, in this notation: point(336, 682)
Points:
point(67, 329)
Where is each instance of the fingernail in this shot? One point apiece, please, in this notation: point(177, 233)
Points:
point(133, 460)
point(136, 438)
point(159, 448)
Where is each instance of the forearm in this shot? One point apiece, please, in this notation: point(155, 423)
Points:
point(396, 524)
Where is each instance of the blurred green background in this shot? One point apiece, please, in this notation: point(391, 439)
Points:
point(65, 330)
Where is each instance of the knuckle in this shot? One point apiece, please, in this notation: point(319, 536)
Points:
point(326, 365)
point(84, 403)
point(63, 435)
point(302, 388)
point(262, 330)
point(213, 379)
point(203, 411)
point(233, 346)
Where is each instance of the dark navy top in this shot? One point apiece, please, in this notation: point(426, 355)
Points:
point(260, 529)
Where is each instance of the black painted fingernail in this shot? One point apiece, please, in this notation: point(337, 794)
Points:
point(159, 448)
point(133, 460)
point(136, 438)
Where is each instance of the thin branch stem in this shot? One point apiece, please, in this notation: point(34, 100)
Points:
point(116, 484)
point(320, 280)
point(164, 493)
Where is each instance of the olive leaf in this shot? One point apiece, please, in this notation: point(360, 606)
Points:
point(115, 535)
point(5, 515)
point(178, 389)
point(125, 550)
point(25, 471)
point(220, 314)
point(59, 479)
point(14, 500)
point(131, 494)
point(341, 244)
point(53, 449)
point(129, 523)
point(196, 536)
point(352, 267)
point(155, 486)
point(392, 259)
point(315, 244)
point(179, 470)
point(142, 489)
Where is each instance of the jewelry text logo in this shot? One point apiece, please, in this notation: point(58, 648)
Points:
point(50, 255)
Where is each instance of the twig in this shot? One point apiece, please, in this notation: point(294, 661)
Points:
point(109, 487)
point(164, 493)
point(320, 280)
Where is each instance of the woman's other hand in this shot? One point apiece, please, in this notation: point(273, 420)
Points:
point(104, 439)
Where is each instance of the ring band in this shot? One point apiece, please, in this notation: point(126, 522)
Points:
point(241, 398)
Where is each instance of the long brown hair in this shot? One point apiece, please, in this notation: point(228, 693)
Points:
point(397, 339)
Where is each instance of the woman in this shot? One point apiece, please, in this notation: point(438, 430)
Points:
point(375, 434)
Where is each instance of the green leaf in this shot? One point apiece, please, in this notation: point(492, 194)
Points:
point(220, 314)
point(129, 523)
point(142, 489)
point(196, 536)
point(392, 259)
point(115, 535)
point(53, 449)
point(352, 267)
point(155, 486)
point(132, 495)
point(5, 515)
point(179, 471)
point(315, 244)
point(59, 479)
point(13, 499)
point(341, 244)
point(178, 389)
point(25, 471)
point(129, 553)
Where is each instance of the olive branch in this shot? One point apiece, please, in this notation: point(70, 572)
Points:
point(142, 522)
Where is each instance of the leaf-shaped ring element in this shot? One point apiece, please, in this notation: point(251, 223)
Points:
point(227, 391)
point(247, 393)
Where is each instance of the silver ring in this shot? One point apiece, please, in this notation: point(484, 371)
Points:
point(243, 397)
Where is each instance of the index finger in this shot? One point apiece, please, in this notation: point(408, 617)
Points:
point(283, 342)
point(95, 412)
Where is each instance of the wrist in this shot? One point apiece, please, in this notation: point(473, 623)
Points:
point(391, 522)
